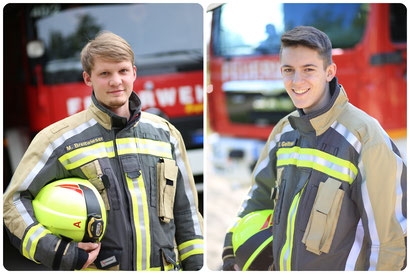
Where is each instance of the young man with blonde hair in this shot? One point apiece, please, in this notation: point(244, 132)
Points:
point(135, 158)
point(334, 179)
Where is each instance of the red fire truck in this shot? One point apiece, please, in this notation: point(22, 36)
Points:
point(246, 96)
point(43, 74)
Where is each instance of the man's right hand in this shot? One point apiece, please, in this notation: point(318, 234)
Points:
point(92, 249)
point(229, 265)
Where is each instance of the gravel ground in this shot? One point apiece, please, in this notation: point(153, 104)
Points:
point(223, 199)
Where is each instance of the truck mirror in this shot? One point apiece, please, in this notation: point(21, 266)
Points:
point(35, 49)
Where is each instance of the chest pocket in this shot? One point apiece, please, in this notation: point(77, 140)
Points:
point(167, 173)
point(95, 176)
point(324, 216)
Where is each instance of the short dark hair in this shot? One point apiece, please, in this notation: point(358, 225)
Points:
point(309, 37)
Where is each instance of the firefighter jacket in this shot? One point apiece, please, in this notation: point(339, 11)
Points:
point(337, 184)
point(141, 169)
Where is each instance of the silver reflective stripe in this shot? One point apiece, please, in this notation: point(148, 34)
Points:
point(248, 197)
point(357, 246)
point(289, 232)
point(399, 196)
point(285, 129)
point(126, 146)
point(32, 238)
point(182, 169)
point(100, 152)
point(374, 237)
point(350, 137)
point(188, 190)
point(318, 160)
point(141, 221)
point(263, 164)
point(154, 124)
point(155, 146)
point(22, 209)
point(43, 160)
point(189, 248)
point(145, 146)
point(399, 191)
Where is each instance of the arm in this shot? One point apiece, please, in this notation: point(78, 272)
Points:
point(188, 220)
point(38, 167)
point(384, 200)
point(263, 179)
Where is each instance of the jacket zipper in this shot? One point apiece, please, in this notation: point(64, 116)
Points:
point(132, 233)
point(286, 252)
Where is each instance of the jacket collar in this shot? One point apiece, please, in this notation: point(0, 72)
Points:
point(319, 121)
point(109, 119)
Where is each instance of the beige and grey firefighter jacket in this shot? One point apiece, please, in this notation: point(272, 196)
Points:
point(141, 169)
point(337, 184)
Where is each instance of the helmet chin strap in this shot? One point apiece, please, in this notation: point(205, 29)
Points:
point(95, 224)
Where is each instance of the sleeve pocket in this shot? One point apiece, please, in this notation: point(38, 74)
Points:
point(167, 173)
point(323, 217)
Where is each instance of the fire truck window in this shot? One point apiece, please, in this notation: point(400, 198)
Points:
point(398, 23)
point(256, 29)
point(172, 42)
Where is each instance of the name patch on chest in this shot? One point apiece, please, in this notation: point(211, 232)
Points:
point(84, 143)
point(286, 144)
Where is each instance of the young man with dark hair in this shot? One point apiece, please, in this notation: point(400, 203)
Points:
point(135, 159)
point(336, 181)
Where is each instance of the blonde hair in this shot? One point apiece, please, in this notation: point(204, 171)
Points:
point(107, 46)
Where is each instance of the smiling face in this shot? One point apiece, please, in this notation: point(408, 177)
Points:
point(306, 78)
point(112, 83)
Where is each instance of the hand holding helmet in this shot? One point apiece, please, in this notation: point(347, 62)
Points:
point(73, 209)
point(252, 241)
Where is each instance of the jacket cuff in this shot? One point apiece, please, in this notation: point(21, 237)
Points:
point(228, 257)
point(191, 254)
point(81, 259)
point(228, 264)
point(194, 262)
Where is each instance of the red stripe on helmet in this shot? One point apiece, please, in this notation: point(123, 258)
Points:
point(72, 187)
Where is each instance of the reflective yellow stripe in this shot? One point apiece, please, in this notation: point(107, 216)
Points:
point(166, 268)
point(77, 151)
point(80, 156)
point(318, 160)
point(256, 253)
point(88, 159)
point(190, 248)
point(146, 217)
point(144, 146)
point(141, 221)
point(189, 243)
point(192, 252)
point(286, 253)
point(144, 151)
point(143, 142)
point(83, 155)
point(30, 241)
point(309, 164)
